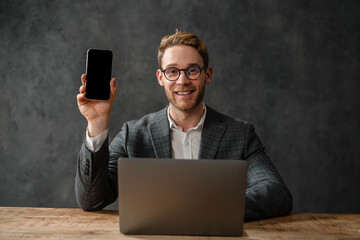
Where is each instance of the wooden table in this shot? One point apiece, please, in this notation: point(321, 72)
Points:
point(62, 223)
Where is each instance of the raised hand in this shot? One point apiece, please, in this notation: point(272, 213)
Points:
point(96, 112)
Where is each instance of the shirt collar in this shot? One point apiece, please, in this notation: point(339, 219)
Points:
point(199, 126)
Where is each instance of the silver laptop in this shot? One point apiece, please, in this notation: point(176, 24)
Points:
point(181, 197)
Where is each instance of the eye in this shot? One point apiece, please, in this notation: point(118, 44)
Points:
point(193, 70)
point(171, 71)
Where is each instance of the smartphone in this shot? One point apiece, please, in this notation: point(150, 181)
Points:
point(98, 74)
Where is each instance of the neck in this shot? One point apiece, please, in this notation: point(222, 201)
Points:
point(186, 119)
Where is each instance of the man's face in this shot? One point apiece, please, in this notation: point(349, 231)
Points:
point(184, 94)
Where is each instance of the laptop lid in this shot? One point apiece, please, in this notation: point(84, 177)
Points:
point(181, 197)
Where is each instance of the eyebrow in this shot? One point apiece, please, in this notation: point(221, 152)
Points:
point(175, 65)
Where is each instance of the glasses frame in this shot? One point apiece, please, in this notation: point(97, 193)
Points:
point(184, 69)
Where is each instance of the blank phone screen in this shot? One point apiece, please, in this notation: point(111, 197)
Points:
point(98, 70)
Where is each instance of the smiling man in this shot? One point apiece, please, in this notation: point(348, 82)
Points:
point(185, 129)
point(184, 75)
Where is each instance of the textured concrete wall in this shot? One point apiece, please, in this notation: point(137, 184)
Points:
point(290, 67)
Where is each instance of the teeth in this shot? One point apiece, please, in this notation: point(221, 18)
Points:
point(183, 93)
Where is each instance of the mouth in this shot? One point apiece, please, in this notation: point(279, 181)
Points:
point(184, 93)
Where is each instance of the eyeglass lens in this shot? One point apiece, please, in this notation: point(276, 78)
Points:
point(173, 73)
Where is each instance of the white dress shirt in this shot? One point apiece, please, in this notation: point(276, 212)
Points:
point(185, 145)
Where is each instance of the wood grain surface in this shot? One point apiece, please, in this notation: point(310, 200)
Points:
point(65, 223)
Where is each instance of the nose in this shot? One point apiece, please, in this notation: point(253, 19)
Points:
point(183, 79)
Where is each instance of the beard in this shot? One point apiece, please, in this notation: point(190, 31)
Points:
point(190, 105)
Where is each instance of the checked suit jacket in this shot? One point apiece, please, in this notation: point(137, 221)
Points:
point(223, 137)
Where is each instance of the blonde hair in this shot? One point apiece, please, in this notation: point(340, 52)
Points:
point(183, 38)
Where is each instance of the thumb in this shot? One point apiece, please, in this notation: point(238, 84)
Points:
point(113, 89)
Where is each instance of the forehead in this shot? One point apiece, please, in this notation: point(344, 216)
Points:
point(182, 56)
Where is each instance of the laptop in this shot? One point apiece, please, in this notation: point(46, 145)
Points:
point(181, 197)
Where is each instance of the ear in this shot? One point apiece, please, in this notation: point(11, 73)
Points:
point(208, 74)
point(159, 77)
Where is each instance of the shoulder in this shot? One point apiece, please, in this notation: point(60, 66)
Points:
point(234, 127)
point(148, 119)
point(215, 116)
point(139, 128)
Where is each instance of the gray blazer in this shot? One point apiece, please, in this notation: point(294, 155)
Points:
point(222, 137)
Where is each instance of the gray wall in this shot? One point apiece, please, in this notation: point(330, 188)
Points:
point(290, 67)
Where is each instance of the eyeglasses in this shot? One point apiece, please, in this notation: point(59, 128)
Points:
point(173, 73)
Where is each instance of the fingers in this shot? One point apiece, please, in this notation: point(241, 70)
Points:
point(113, 85)
point(81, 99)
point(82, 89)
point(83, 79)
point(113, 88)
point(80, 96)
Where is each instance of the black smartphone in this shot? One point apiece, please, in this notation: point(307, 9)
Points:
point(98, 74)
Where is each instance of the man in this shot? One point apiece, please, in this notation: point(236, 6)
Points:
point(186, 129)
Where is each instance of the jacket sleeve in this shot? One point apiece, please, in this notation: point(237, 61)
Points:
point(266, 193)
point(96, 174)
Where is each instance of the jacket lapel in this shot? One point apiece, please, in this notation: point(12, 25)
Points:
point(212, 133)
point(159, 132)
